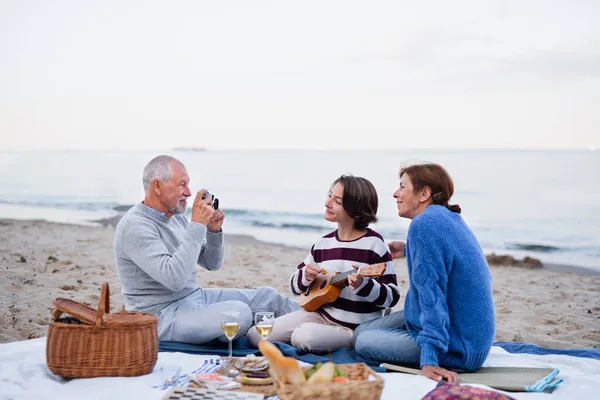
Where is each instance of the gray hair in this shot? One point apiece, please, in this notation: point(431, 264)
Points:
point(161, 168)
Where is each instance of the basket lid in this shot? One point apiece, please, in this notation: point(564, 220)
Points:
point(84, 313)
point(77, 310)
point(102, 316)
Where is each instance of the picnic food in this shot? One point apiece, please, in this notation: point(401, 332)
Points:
point(253, 379)
point(253, 363)
point(328, 372)
point(284, 368)
point(210, 377)
point(323, 374)
point(287, 369)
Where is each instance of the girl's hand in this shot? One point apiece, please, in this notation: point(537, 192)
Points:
point(311, 271)
point(355, 280)
point(439, 373)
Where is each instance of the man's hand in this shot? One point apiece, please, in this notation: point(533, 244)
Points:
point(216, 222)
point(439, 373)
point(311, 271)
point(355, 280)
point(202, 212)
point(397, 248)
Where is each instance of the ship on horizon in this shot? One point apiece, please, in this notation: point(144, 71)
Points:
point(189, 148)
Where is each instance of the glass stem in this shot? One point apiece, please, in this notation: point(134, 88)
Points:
point(230, 348)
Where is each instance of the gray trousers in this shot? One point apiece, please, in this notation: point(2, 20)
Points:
point(197, 317)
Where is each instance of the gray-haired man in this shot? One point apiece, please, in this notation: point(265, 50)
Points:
point(156, 252)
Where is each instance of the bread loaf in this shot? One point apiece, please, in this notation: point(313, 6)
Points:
point(285, 369)
point(291, 370)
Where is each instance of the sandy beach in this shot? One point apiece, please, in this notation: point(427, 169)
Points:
point(41, 261)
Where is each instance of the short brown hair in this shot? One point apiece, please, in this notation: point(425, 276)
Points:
point(359, 200)
point(436, 178)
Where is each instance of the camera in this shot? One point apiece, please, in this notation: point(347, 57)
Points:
point(215, 201)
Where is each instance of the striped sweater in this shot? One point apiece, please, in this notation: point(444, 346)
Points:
point(372, 296)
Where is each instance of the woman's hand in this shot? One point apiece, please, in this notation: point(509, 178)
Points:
point(439, 373)
point(397, 248)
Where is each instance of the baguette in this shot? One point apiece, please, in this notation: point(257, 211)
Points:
point(270, 351)
point(291, 370)
point(274, 356)
point(285, 369)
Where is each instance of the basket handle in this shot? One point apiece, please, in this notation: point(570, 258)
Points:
point(103, 304)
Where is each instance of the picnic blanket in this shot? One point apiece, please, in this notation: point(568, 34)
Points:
point(24, 375)
point(241, 348)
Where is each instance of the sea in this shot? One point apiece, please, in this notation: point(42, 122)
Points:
point(542, 204)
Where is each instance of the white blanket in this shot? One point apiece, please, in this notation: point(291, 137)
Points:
point(24, 375)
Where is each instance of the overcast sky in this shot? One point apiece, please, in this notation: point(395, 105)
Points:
point(310, 74)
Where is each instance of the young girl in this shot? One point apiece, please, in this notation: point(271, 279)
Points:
point(352, 204)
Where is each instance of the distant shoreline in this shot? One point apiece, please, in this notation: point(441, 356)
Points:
point(249, 239)
point(46, 260)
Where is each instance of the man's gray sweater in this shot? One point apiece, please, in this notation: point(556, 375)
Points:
point(156, 257)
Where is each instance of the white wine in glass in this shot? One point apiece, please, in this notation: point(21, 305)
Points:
point(230, 323)
point(264, 321)
point(230, 329)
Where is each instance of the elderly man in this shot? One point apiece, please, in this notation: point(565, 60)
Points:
point(156, 252)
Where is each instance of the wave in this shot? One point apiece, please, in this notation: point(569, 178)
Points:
point(541, 248)
point(275, 223)
point(279, 219)
point(301, 227)
point(262, 213)
point(122, 207)
point(65, 203)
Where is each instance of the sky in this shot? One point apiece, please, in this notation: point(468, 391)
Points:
point(299, 74)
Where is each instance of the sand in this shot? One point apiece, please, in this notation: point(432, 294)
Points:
point(44, 260)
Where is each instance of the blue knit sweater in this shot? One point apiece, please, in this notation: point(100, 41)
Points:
point(449, 308)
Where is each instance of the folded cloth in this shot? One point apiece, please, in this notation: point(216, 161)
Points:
point(510, 379)
point(518, 347)
point(182, 379)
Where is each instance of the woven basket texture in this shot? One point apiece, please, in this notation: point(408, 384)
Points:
point(119, 344)
point(360, 386)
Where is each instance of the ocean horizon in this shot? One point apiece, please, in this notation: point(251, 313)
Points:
point(528, 202)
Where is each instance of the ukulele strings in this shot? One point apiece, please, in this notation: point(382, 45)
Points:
point(334, 279)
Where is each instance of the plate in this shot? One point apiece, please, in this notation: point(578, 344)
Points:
point(255, 381)
point(255, 364)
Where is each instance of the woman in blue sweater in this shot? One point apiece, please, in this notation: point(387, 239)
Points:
point(448, 319)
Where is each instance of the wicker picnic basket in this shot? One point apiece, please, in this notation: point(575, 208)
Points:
point(100, 343)
point(365, 384)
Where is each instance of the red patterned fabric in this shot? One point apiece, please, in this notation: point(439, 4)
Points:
point(451, 391)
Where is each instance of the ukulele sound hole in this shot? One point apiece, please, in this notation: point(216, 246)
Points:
point(323, 284)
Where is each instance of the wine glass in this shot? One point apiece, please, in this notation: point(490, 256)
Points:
point(230, 323)
point(264, 321)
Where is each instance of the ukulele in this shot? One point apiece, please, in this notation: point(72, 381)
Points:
point(328, 287)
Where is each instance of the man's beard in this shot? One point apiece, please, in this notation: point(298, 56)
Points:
point(179, 209)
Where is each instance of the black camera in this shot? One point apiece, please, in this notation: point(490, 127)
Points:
point(215, 201)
